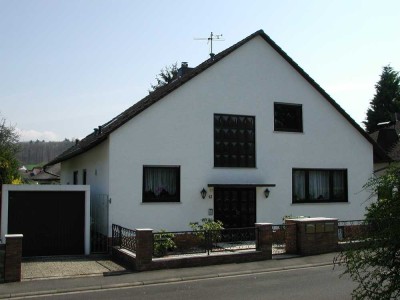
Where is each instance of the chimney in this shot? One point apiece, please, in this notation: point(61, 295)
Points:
point(184, 69)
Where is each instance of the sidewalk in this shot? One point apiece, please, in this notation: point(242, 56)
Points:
point(123, 279)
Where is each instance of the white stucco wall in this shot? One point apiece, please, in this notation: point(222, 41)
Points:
point(178, 130)
point(96, 164)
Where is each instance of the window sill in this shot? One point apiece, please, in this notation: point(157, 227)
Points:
point(239, 168)
point(288, 131)
point(174, 202)
point(320, 202)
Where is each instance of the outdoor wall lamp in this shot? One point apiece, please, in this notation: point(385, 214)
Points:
point(203, 193)
point(266, 193)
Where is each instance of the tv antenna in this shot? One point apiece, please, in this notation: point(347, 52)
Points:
point(210, 39)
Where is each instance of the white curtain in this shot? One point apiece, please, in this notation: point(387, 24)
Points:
point(160, 179)
point(299, 178)
point(338, 184)
point(318, 185)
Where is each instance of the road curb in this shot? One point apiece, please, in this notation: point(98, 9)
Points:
point(157, 281)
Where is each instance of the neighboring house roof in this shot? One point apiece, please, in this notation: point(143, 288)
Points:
point(48, 174)
point(389, 142)
point(45, 177)
point(104, 131)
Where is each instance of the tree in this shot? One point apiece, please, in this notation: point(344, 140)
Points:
point(8, 150)
point(374, 263)
point(386, 101)
point(166, 75)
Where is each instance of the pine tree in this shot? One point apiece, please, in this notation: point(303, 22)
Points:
point(386, 101)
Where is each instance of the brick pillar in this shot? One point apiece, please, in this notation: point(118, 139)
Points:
point(144, 248)
point(13, 257)
point(264, 239)
point(291, 237)
point(316, 235)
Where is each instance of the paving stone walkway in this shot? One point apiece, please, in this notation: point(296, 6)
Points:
point(62, 267)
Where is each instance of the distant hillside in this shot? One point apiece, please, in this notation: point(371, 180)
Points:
point(40, 151)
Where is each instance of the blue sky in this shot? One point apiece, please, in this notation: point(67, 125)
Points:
point(68, 66)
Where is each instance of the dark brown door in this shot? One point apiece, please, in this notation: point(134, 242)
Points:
point(235, 207)
point(52, 222)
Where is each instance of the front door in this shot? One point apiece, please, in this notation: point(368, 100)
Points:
point(235, 207)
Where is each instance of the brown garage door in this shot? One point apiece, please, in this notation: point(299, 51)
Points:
point(52, 222)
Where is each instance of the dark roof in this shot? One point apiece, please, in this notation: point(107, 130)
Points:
point(393, 151)
point(102, 134)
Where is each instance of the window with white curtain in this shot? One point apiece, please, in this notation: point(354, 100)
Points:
point(319, 185)
point(161, 184)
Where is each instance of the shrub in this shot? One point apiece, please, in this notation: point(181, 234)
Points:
point(163, 242)
point(206, 225)
point(210, 228)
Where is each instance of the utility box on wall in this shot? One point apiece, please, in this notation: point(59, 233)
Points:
point(315, 235)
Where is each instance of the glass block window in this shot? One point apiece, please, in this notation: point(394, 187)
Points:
point(234, 141)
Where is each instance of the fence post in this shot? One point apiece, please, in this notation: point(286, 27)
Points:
point(291, 237)
point(264, 239)
point(316, 235)
point(120, 236)
point(13, 258)
point(144, 248)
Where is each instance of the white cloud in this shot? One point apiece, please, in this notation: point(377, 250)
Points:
point(33, 135)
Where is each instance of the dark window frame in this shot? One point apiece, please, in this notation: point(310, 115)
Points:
point(344, 199)
point(239, 149)
point(84, 177)
point(75, 177)
point(149, 198)
point(299, 112)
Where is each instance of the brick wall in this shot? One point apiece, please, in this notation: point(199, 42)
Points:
point(315, 235)
point(143, 258)
point(291, 237)
point(2, 255)
point(13, 258)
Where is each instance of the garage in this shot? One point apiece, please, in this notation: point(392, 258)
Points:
point(52, 219)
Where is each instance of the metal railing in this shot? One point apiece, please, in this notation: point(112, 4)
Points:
point(351, 230)
point(123, 237)
point(192, 242)
point(234, 239)
point(279, 237)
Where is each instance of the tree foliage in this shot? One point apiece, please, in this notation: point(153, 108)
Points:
point(40, 151)
point(386, 101)
point(8, 150)
point(374, 263)
point(166, 75)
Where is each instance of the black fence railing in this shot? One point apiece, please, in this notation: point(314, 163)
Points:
point(279, 237)
point(123, 237)
point(192, 242)
point(233, 239)
point(352, 230)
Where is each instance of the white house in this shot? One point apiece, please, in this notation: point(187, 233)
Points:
point(246, 120)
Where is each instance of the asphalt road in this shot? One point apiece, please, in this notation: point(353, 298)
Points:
point(308, 283)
